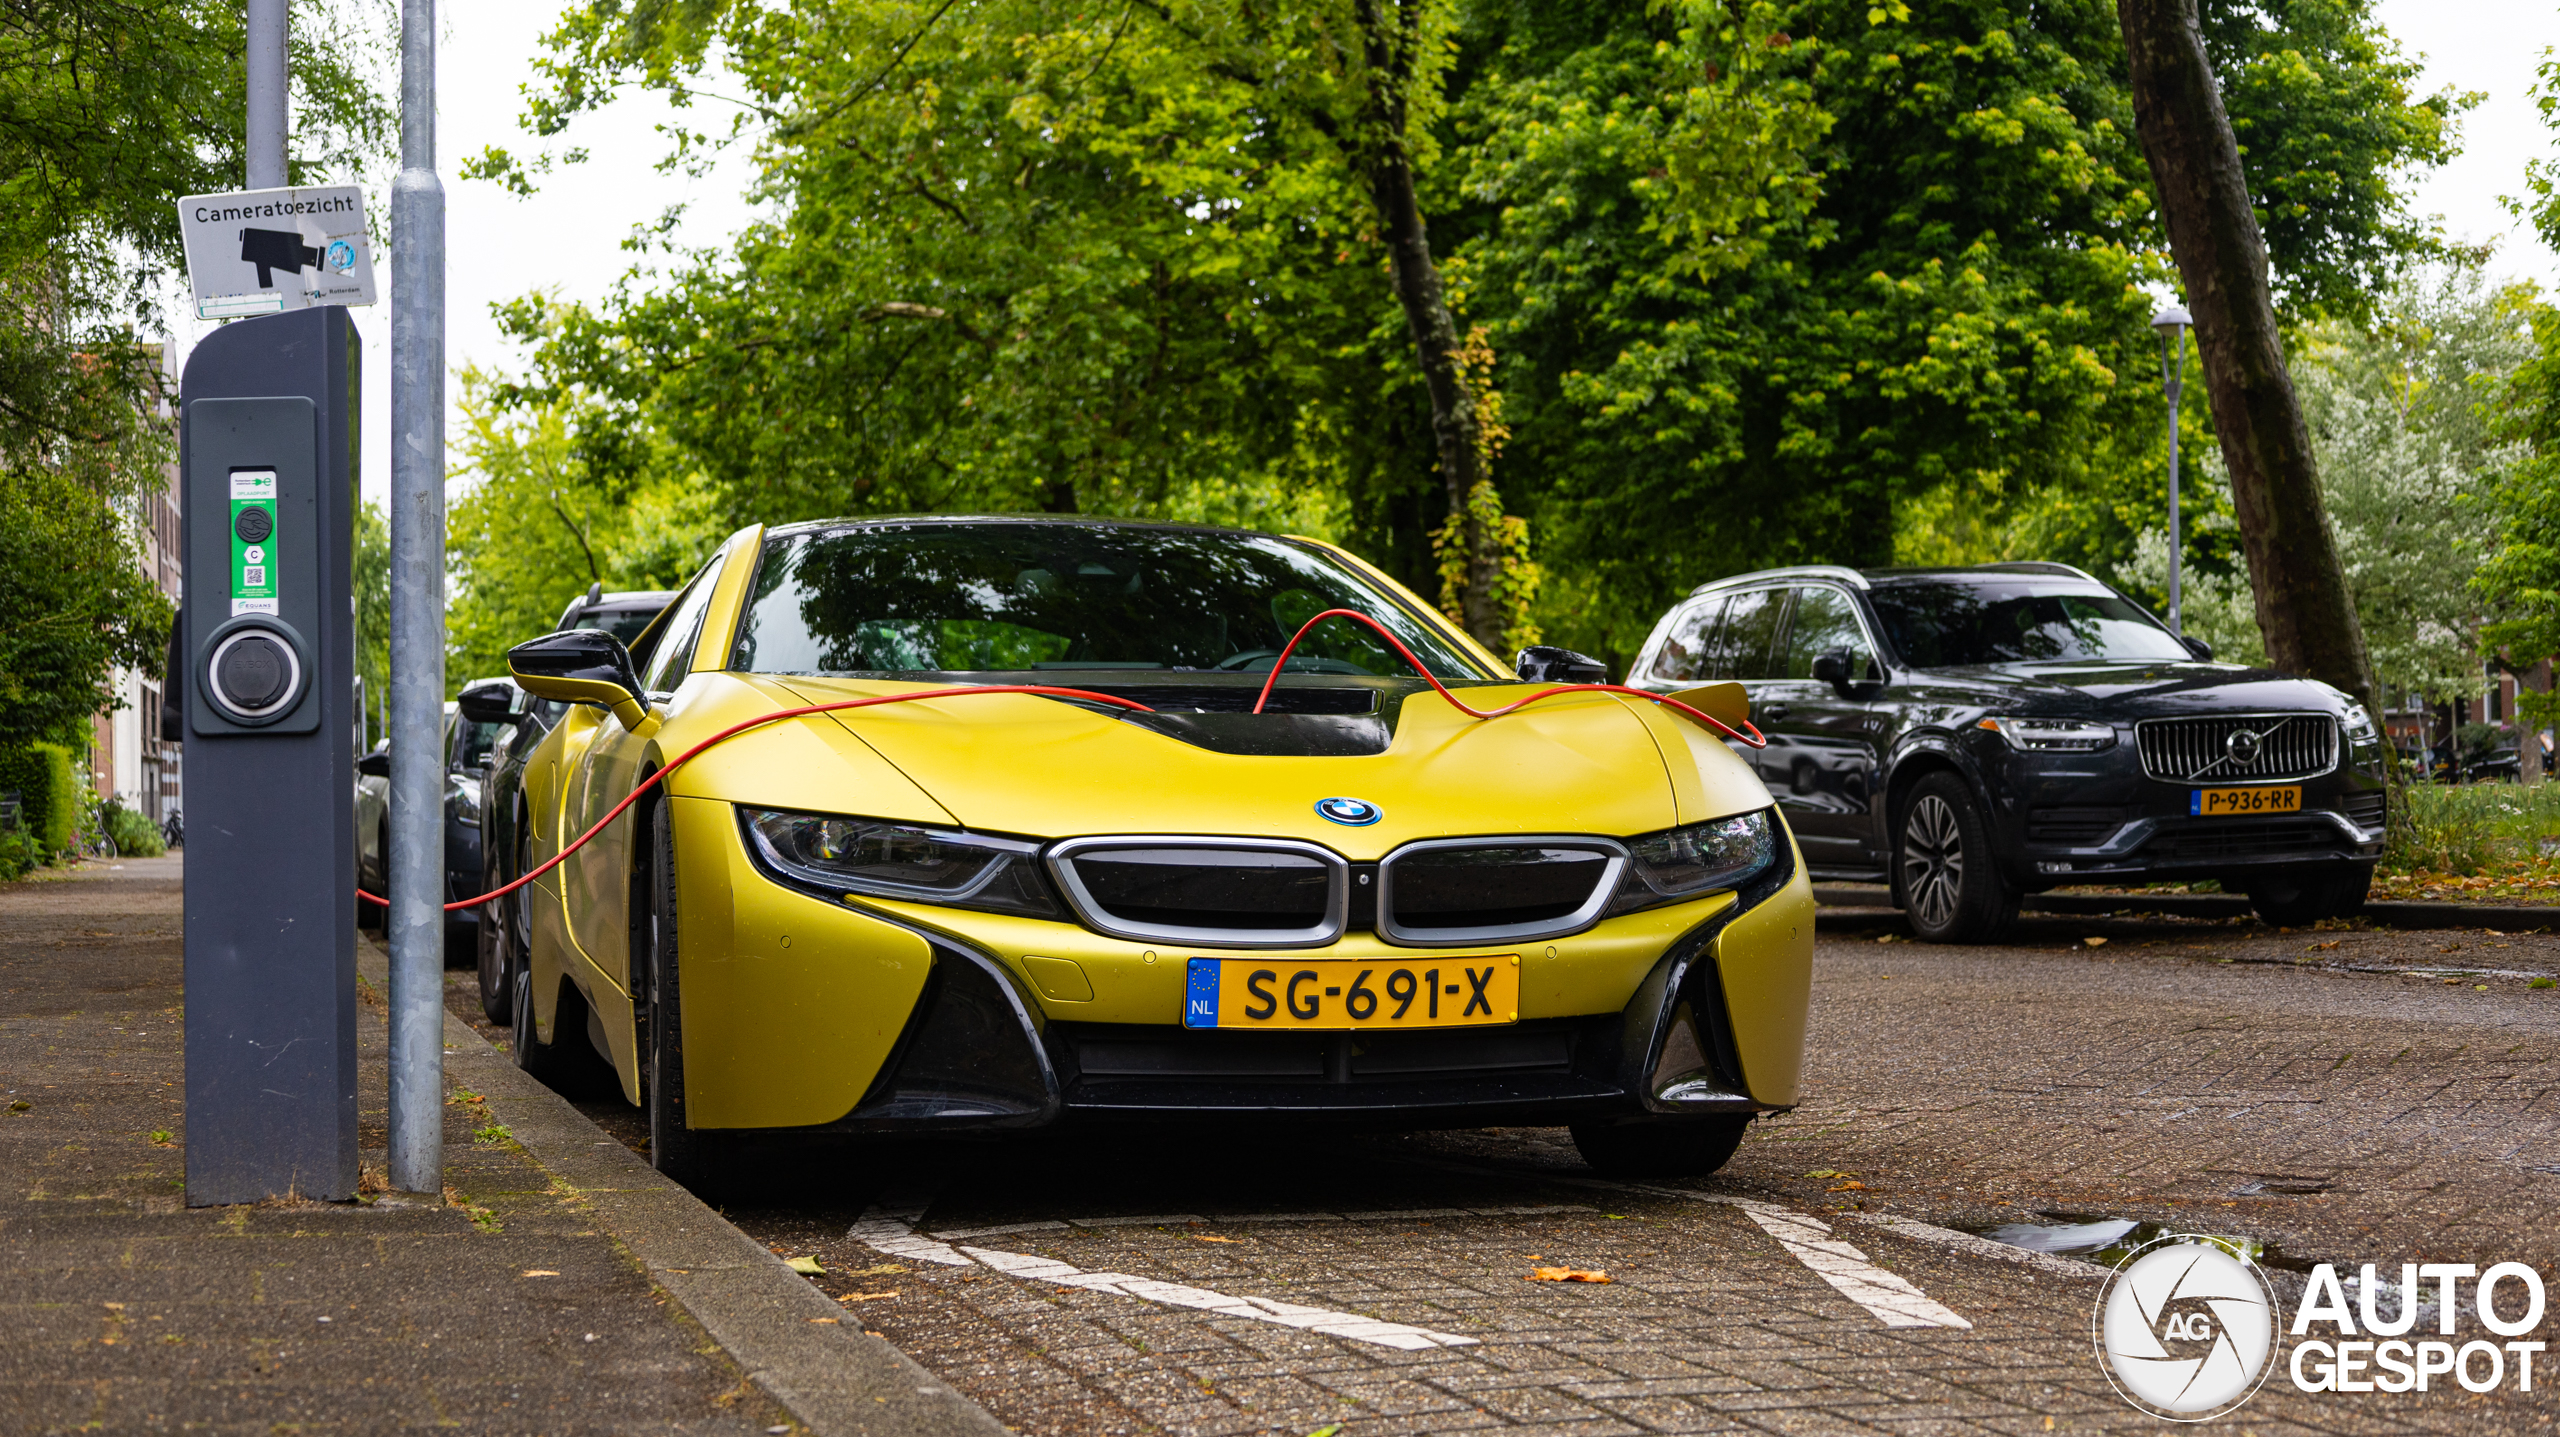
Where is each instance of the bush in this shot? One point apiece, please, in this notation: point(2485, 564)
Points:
point(49, 797)
point(134, 835)
point(17, 854)
point(2469, 828)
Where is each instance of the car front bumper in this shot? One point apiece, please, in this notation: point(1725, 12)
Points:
point(865, 1016)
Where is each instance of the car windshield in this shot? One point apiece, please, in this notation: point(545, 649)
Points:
point(1956, 624)
point(945, 597)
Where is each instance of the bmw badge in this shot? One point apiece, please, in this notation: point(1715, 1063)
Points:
point(1350, 812)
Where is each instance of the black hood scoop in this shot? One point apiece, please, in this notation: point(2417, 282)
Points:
point(1274, 735)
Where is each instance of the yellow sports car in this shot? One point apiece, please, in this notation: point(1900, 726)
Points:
point(1135, 897)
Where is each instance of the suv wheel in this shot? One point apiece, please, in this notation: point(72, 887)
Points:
point(1658, 1147)
point(1951, 887)
point(2298, 900)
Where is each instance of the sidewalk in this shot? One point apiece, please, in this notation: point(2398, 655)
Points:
point(510, 1310)
point(1853, 902)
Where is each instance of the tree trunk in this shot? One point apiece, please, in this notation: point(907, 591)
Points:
point(1385, 164)
point(2304, 608)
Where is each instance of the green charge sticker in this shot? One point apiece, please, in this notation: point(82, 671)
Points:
point(253, 541)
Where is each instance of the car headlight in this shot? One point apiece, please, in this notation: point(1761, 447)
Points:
point(1699, 858)
point(879, 858)
point(2044, 735)
point(2360, 727)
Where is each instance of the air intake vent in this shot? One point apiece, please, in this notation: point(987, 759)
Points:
point(1462, 892)
point(2071, 825)
point(2238, 748)
point(1210, 892)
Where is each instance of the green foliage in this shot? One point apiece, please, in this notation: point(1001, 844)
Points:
point(2520, 579)
point(1765, 282)
point(133, 835)
point(18, 855)
point(372, 576)
point(2472, 828)
point(49, 795)
point(74, 603)
point(542, 523)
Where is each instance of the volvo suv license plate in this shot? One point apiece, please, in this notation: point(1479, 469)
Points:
point(1459, 991)
point(2216, 802)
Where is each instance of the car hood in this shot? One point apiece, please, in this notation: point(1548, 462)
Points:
point(2156, 688)
point(1046, 768)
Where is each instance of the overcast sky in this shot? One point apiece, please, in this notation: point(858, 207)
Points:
point(567, 238)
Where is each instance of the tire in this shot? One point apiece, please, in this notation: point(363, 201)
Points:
point(497, 966)
point(1658, 1147)
point(1944, 871)
point(675, 1149)
point(2298, 900)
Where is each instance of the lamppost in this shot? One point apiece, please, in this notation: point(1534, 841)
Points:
point(2172, 322)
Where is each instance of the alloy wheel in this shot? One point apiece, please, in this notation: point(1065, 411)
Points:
point(1932, 861)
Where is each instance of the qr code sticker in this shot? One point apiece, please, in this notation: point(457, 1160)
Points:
point(253, 576)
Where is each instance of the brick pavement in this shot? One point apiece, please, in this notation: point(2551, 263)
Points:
point(1968, 1086)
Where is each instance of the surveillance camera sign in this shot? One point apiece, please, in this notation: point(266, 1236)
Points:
point(263, 251)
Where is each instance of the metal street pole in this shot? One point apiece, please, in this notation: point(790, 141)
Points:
point(416, 920)
point(2172, 322)
point(266, 76)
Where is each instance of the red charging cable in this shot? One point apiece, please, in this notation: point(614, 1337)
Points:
point(733, 731)
point(1755, 738)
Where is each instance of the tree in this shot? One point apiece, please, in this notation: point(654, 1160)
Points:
point(109, 110)
point(2305, 606)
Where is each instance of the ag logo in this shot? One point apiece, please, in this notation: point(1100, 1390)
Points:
point(2186, 1329)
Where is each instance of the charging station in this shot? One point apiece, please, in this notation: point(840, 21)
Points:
point(264, 659)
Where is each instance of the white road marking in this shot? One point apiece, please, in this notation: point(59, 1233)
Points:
point(1980, 1246)
point(1893, 1299)
point(889, 1234)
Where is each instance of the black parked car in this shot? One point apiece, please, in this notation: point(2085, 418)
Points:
point(519, 722)
point(466, 750)
point(1975, 735)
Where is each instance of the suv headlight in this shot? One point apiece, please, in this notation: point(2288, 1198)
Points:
point(880, 858)
point(2361, 729)
point(2043, 735)
point(1680, 863)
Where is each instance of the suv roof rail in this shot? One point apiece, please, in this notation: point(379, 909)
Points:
point(1800, 571)
point(2039, 566)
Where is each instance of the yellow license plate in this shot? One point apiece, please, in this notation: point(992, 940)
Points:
point(2216, 802)
point(1459, 991)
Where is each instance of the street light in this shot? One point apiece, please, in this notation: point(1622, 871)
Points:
point(2172, 322)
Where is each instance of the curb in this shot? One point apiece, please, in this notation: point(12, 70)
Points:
point(1868, 903)
point(785, 1335)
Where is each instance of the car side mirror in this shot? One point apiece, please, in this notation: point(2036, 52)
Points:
point(488, 701)
point(2198, 647)
point(376, 764)
point(1832, 668)
point(1547, 664)
point(581, 666)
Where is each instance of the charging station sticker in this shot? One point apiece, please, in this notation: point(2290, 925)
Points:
point(253, 541)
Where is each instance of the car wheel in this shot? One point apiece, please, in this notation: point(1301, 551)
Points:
point(1658, 1147)
point(497, 967)
point(675, 1149)
point(1951, 887)
point(2298, 900)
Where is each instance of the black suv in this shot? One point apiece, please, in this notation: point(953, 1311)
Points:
point(1975, 735)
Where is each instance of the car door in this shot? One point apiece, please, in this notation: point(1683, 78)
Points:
point(1824, 758)
point(600, 874)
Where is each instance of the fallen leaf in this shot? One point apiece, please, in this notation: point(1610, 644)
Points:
point(1829, 1173)
point(1851, 1186)
point(1212, 1237)
point(539, 1272)
point(1567, 1274)
point(886, 1269)
point(2095, 942)
point(806, 1267)
point(2327, 947)
point(868, 1296)
point(826, 1321)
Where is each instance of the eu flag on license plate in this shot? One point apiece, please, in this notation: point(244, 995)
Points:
point(1200, 994)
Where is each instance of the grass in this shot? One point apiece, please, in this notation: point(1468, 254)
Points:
point(2486, 839)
